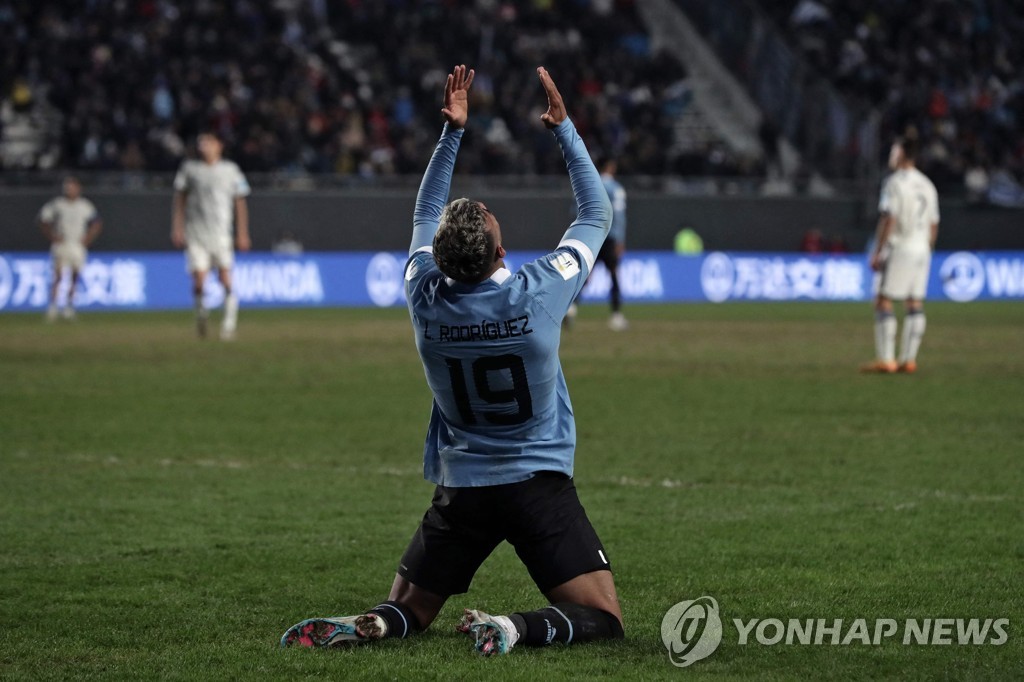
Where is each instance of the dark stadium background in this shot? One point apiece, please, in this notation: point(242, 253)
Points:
point(751, 122)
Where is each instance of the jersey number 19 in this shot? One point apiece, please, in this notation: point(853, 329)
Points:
point(519, 393)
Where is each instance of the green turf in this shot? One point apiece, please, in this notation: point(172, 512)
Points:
point(169, 507)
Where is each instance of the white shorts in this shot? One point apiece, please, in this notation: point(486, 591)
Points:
point(201, 257)
point(905, 275)
point(68, 255)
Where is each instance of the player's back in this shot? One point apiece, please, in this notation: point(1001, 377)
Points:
point(490, 354)
point(912, 200)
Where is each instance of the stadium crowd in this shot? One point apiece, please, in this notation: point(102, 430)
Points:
point(953, 68)
point(350, 87)
point(316, 86)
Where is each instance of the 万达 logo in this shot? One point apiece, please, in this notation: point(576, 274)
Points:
point(691, 630)
point(384, 279)
point(717, 274)
point(963, 276)
point(6, 281)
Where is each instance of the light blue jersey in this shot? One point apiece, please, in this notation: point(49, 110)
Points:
point(617, 195)
point(501, 409)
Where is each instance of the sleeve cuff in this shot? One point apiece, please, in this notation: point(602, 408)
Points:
point(564, 128)
point(449, 131)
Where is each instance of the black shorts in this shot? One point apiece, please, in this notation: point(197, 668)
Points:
point(541, 517)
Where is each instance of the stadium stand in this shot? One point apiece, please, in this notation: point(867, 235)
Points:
point(952, 68)
point(311, 86)
point(349, 88)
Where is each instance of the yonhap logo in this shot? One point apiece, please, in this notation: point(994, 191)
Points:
point(691, 630)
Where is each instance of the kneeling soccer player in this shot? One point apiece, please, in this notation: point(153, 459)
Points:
point(502, 437)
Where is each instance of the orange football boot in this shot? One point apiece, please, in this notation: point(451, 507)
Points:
point(879, 367)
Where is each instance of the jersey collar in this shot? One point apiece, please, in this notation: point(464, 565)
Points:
point(499, 277)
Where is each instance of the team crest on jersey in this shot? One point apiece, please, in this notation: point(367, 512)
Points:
point(566, 265)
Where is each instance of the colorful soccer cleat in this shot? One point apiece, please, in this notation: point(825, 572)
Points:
point(337, 631)
point(908, 367)
point(494, 635)
point(469, 617)
point(879, 367)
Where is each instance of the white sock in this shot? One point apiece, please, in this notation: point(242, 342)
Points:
point(511, 632)
point(913, 331)
point(230, 312)
point(885, 337)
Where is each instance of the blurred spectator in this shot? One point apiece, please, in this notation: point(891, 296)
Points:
point(812, 242)
point(837, 245)
point(286, 245)
point(976, 183)
point(28, 127)
point(688, 242)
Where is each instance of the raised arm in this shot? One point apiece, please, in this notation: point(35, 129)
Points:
point(437, 179)
point(593, 209)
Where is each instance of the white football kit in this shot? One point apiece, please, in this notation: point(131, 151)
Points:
point(70, 219)
point(909, 197)
point(210, 191)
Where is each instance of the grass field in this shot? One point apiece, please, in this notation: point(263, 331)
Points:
point(169, 507)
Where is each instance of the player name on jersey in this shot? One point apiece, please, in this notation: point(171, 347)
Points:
point(487, 330)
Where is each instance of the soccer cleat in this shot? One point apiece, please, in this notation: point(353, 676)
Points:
point(494, 635)
point(908, 367)
point(617, 322)
point(338, 631)
point(879, 367)
point(201, 326)
point(68, 313)
point(227, 334)
point(51, 313)
point(469, 616)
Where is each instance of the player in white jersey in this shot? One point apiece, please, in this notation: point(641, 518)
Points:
point(902, 255)
point(208, 192)
point(71, 223)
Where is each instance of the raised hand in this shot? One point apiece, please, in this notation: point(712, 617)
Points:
point(456, 100)
point(556, 107)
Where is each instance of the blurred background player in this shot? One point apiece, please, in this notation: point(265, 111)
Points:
point(902, 254)
point(207, 193)
point(502, 438)
point(71, 223)
point(614, 246)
